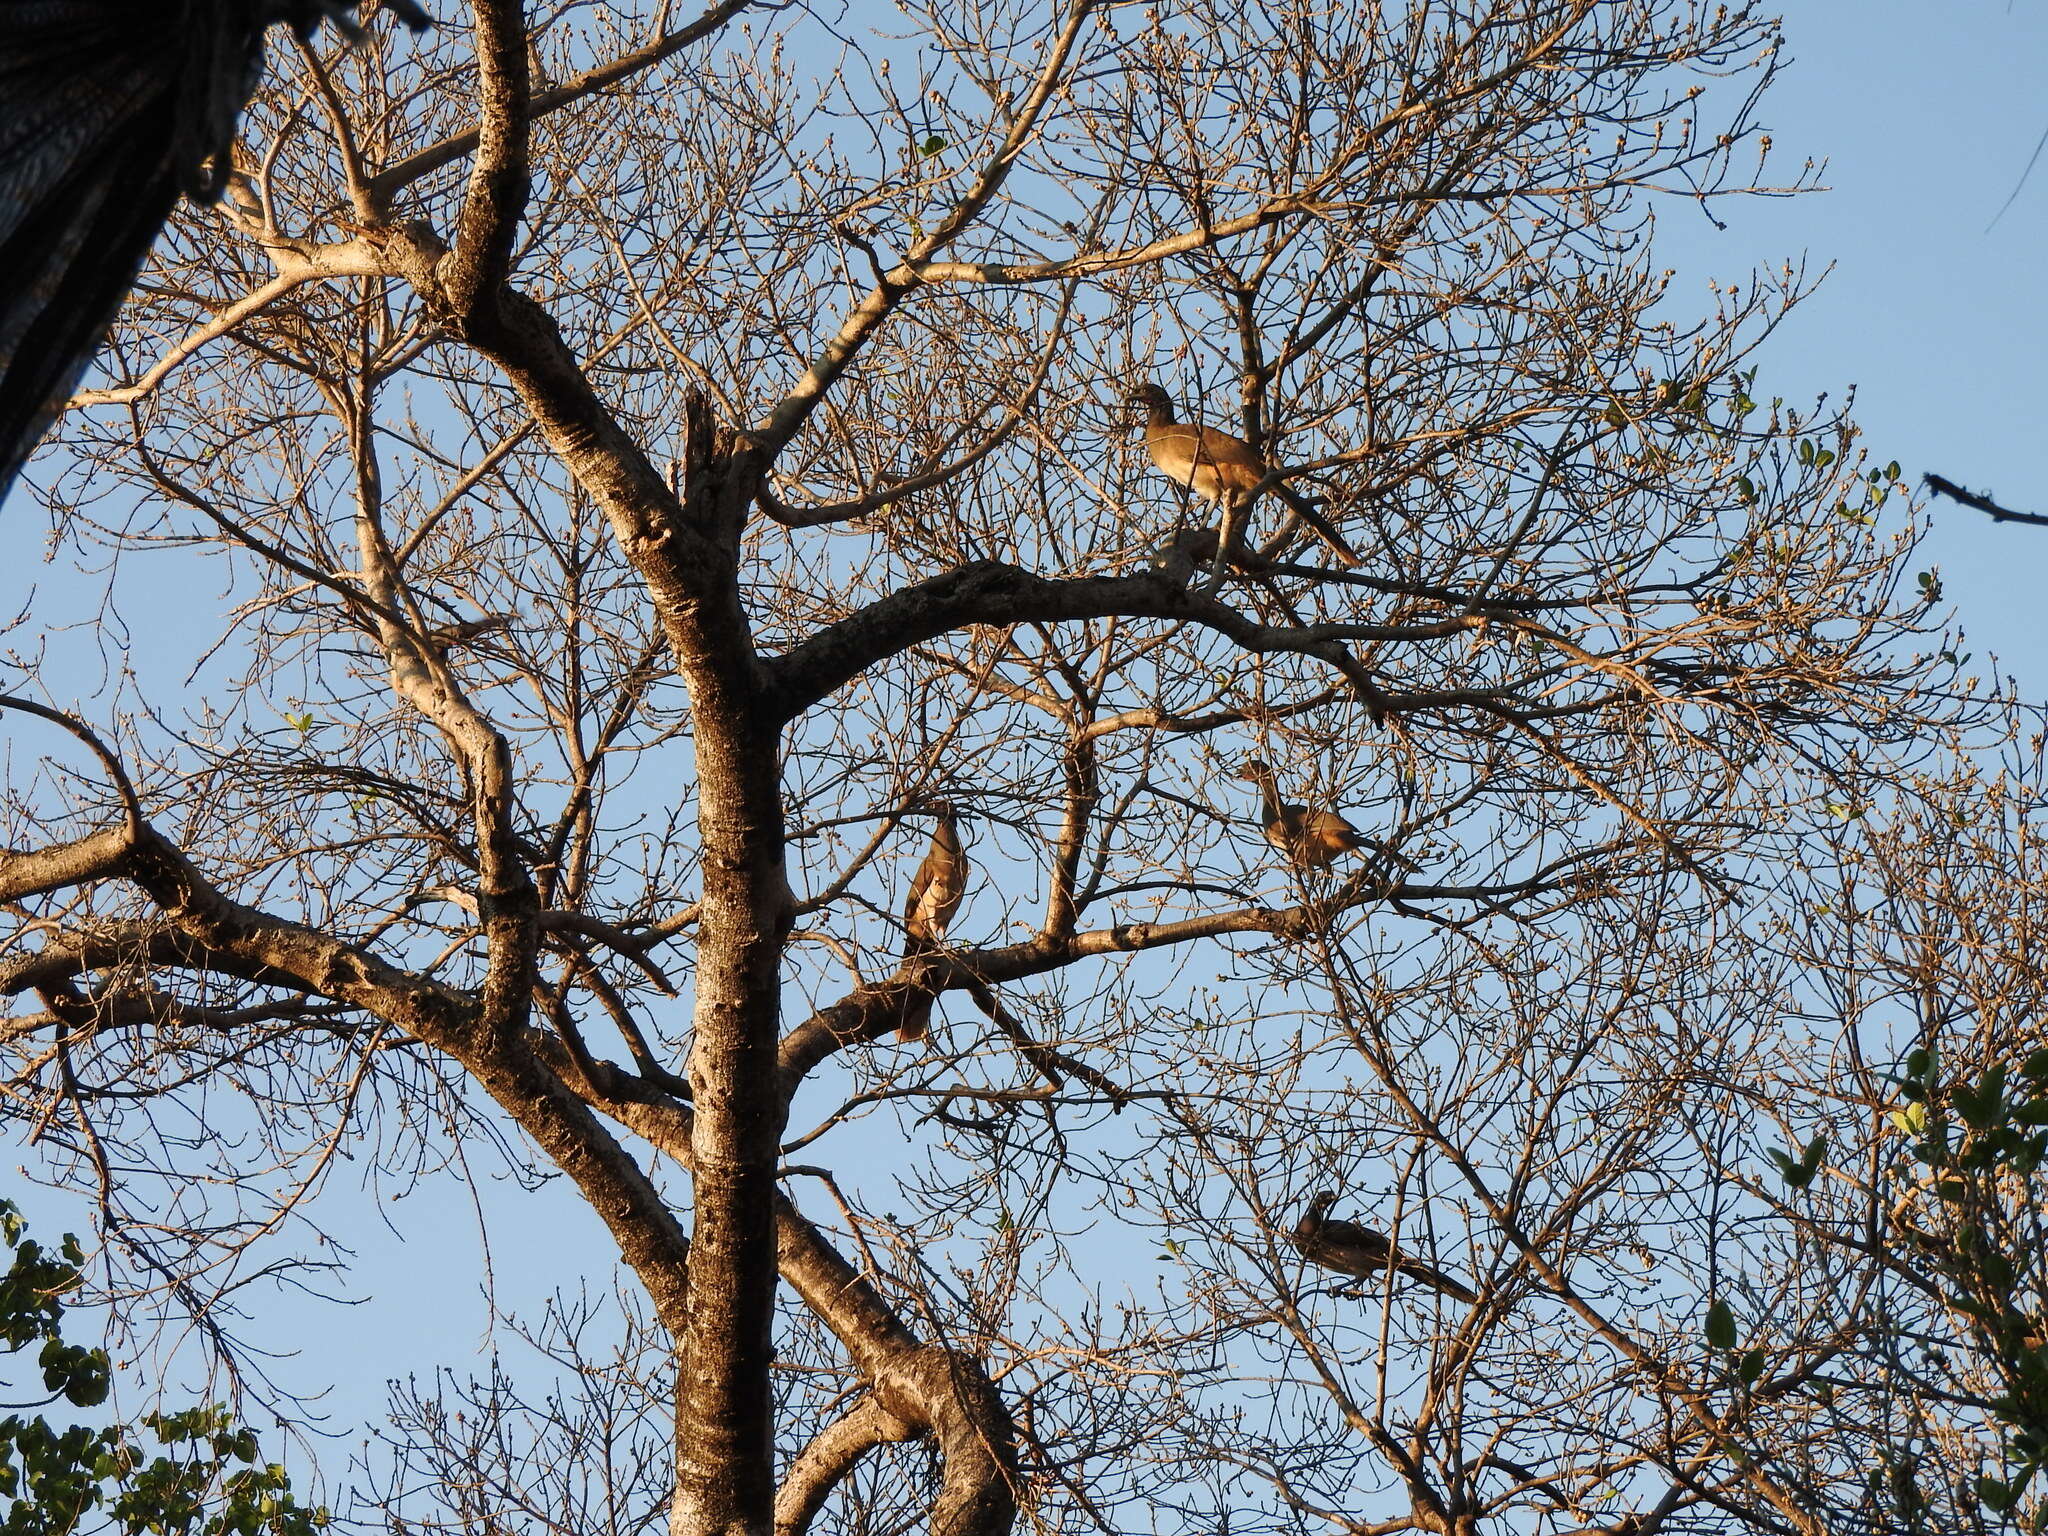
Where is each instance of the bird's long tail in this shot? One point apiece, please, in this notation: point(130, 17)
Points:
point(1430, 1275)
point(1318, 524)
point(914, 1020)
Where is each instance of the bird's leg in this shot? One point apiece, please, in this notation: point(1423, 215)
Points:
point(1226, 542)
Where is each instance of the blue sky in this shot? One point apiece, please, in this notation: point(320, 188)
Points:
point(1926, 116)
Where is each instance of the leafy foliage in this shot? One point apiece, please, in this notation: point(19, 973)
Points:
point(1982, 1146)
point(207, 1484)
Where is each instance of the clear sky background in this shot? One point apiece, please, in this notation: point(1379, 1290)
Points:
point(1925, 114)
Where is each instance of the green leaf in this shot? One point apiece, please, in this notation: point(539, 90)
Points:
point(1720, 1326)
point(1980, 1106)
point(932, 146)
point(1799, 1171)
point(1752, 1367)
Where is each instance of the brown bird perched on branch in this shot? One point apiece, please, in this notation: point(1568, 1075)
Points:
point(1222, 469)
point(108, 108)
point(1351, 1249)
point(1310, 839)
point(936, 891)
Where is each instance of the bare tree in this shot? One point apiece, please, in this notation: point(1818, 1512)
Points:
point(1921, 1186)
point(654, 467)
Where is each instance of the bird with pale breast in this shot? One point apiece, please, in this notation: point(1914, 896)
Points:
point(1310, 839)
point(1221, 469)
point(1350, 1249)
point(936, 891)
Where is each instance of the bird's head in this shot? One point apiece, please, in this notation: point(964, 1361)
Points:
point(1319, 1207)
point(1256, 770)
point(1150, 399)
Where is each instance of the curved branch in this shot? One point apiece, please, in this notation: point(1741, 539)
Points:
point(108, 760)
point(946, 1390)
point(831, 1455)
point(943, 1391)
point(247, 305)
point(990, 592)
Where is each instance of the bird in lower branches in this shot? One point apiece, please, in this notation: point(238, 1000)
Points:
point(108, 109)
point(1350, 1249)
point(936, 891)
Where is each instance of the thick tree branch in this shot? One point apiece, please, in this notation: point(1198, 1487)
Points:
point(944, 1389)
point(26, 872)
point(498, 180)
point(924, 1386)
point(871, 1011)
point(990, 592)
point(392, 178)
point(209, 930)
point(75, 952)
point(830, 1457)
